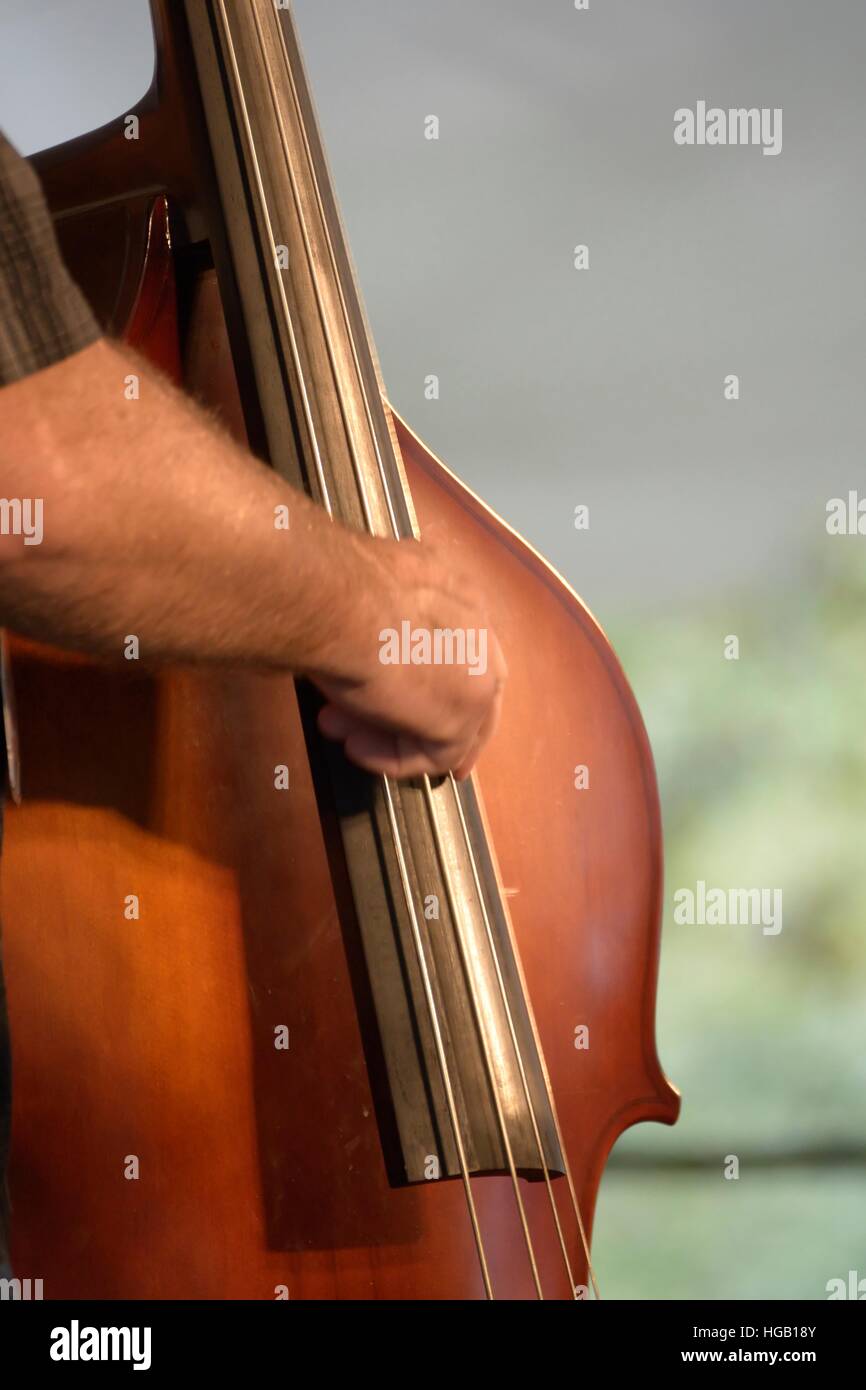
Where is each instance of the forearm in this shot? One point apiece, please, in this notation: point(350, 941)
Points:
point(155, 523)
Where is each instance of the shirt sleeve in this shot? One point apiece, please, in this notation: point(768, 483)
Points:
point(43, 315)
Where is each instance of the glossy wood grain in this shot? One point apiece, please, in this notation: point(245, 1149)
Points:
point(162, 1145)
point(155, 1038)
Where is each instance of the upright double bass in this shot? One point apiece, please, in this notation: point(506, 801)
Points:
point(358, 1038)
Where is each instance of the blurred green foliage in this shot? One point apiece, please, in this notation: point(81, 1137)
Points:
point(769, 1236)
point(762, 769)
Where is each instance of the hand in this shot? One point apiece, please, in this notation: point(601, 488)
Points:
point(415, 702)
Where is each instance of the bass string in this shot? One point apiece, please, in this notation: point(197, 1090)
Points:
point(367, 510)
point(389, 795)
point(432, 812)
point(458, 801)
point(477, 1014)
point(514, 1042)
point(228, 47)
point(437, 1035)
point(394, 825)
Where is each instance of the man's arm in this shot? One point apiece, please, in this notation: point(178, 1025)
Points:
point(156, 523)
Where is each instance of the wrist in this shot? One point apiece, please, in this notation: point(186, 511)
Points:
point(356, 594)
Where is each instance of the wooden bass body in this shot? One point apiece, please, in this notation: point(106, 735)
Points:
point(193, 1046)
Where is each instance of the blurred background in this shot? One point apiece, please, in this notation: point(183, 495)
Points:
point(604, 387)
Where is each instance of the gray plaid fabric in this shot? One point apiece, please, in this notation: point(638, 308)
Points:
point(43, 314)
point(43, 318)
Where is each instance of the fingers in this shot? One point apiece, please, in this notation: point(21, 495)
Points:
point(485, 733)
point(391, 755)
point(411, 720)
point(336, 723)
point(396, 754)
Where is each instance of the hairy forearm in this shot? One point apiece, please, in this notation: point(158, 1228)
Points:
point(157, 524)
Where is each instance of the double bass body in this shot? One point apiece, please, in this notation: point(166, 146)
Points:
point(198, 1098)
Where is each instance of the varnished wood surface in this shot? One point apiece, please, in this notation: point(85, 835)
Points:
point(154, 1038)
